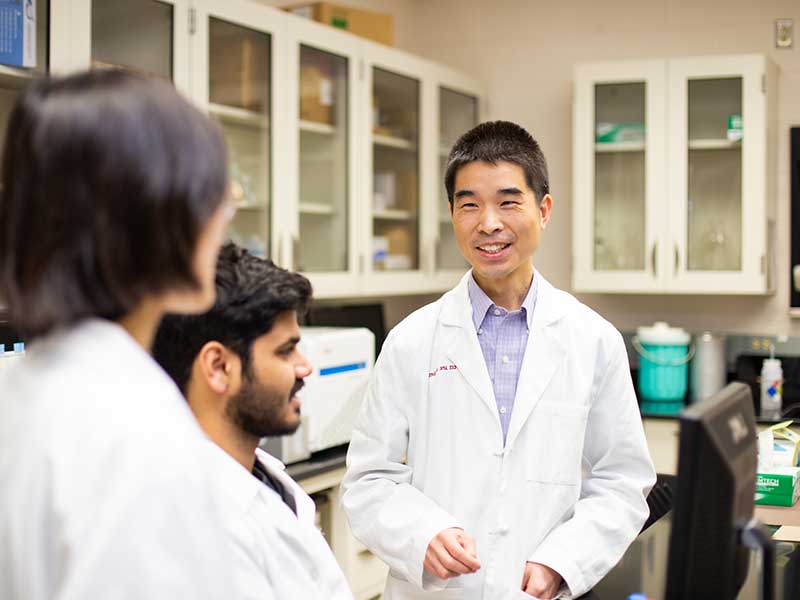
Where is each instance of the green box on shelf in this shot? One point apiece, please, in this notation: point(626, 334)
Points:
point(735, 131)
point(610, 133)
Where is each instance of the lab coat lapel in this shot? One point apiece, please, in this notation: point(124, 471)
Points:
point(544, 354)
point(304, 505)
point(461, 345)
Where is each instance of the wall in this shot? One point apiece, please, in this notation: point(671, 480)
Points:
point(525, 52)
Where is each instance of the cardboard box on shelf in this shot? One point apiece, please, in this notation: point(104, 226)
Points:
point(366, 23)
point(316, 94)
point(238, 73)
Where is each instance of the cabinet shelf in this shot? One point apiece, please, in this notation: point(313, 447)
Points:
point(231, 114)
point(250, 207)
point(393, 214)
point(317, 127)
point(608, 147)
point(714, 144)
point(315, 208)
point(388, 141)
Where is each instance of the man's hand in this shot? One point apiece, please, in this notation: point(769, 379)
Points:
point(540, 581)
point(450, 554)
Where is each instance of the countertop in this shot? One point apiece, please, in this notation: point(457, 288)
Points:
point(320, 462)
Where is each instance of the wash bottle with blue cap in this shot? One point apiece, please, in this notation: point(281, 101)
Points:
point(771, 386)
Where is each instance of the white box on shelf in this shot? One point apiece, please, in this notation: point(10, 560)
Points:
point(397, 262)
point(384, 188)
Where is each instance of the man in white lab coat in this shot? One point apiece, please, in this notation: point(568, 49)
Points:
point(499, 452)
point(239, 367)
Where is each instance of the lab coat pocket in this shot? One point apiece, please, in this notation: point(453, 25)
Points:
point(555, 446)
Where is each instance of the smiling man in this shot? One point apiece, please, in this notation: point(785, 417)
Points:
point(499, 453)
point(240, 370)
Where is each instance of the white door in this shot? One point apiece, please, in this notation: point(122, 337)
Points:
point(619, 175)
point(321, 206)
point(717, 160)
point(238, 53)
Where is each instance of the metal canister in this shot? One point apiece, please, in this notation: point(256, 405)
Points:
point(708, 368)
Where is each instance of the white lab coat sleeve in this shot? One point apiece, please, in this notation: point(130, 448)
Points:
point(612, 506)
point(390, 516)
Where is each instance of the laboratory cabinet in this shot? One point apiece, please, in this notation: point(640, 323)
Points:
point(336, 144)
point(673, 176)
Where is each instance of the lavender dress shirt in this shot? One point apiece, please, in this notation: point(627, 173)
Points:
point(503, 336)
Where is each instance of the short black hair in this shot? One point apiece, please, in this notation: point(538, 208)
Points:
point(499, 141)
point(251, 293)
point(108, 179)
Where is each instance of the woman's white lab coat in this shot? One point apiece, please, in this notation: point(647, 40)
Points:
point(567, 490)
point(101, 493)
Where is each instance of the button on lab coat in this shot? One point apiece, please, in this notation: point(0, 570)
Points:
point(101, 495)
point(567, 490)
point(281, 555)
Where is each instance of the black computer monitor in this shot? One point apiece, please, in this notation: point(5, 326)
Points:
point(712, 526)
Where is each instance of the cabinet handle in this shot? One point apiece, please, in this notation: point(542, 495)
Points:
point(653, 258)
point(677, 259)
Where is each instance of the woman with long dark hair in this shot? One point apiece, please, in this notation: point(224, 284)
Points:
point(112, 211)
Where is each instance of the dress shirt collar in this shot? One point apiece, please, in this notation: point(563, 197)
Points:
point(481, 303)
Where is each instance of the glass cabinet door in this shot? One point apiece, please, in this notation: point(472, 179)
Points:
point(458, 113)
point(619, 177)
point(23, 57)
point(721, 124)
point(619, 146)
point(134, 35)
point(395, 177)
point(239, 64)
point(714, 169)
point(323, 111)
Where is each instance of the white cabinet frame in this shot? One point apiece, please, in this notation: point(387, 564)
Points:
point(666, 176)
point(585, 277)
point(70, 50)
point(251, 16)
point(757, 75)
point(384, 283)
point(303, 32)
